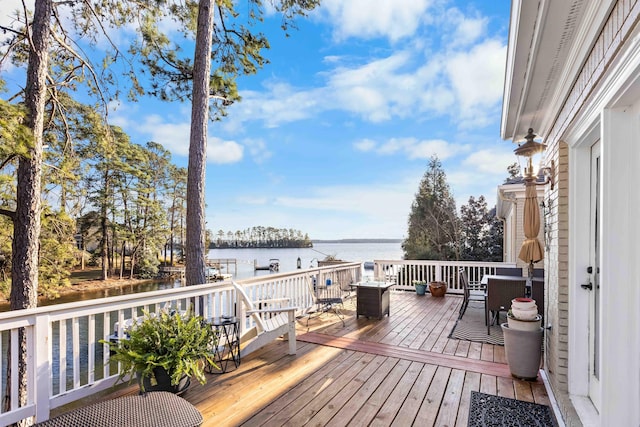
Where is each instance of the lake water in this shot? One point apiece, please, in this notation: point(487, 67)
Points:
point(353, 252)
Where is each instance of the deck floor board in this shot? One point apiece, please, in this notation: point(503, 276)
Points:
point(400, 370)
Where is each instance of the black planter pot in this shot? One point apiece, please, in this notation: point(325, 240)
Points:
point(163, 382)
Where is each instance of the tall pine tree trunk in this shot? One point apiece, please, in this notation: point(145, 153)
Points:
point(195, 256)
point(26, 223)
point(104, 227)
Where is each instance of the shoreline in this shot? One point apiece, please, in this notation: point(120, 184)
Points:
point(97, 284)
point(88, 286)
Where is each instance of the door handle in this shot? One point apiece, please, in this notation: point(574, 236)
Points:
point(588, 286)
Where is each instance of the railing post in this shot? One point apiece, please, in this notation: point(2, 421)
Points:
point(241, 314)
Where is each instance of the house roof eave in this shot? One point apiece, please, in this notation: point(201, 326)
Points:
point(548, 43)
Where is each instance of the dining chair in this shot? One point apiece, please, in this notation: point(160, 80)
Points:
point(500, 292)
point(509, 271)
point(470, 293)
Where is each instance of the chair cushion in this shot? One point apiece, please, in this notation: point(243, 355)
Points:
point(152, 409)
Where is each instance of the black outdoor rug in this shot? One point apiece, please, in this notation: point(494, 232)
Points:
point(495, 411)
point(472, 327)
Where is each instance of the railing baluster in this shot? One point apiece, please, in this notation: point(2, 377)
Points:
point(91, 343)
point(75, 325)
point(62, 345)
point(14, 369)
point(106, 331)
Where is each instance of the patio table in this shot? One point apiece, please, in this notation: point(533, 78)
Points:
point(486, 277)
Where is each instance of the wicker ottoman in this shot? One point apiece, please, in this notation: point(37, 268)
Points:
point(153, 409)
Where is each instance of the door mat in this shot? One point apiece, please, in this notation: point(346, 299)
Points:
point(495, 411)
point(472, 327)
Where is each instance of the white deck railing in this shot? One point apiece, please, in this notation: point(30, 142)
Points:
point(66, 362)
point(402, 273)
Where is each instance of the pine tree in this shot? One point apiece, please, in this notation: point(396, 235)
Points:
point(495, 238)
point(473, 229)
point(433, 224)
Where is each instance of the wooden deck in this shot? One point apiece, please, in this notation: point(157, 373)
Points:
point(398, 371)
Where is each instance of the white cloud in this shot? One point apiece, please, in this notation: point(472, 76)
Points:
point(364, 145)
point(257, 149)
point(479, 174)
point(461, 29)
point(221, 152)
point(413, 148)
point(394, 145)
point(175, 138)
point(375, 18)
point(466, 85)
point(477, 77)
point(9, 7)
point(325, 211)
point(490, 163)
point(280, 103)
point(464, 82)
point(252, 200)
point(8, 20)
point(469, 30)
point(377, 90)
point(427, 148)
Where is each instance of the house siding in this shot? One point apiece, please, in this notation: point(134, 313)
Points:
point(557, 296)
point(620, 22)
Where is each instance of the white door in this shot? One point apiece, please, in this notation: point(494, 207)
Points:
point(594, 275)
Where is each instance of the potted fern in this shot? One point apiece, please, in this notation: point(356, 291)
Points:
point(165, 350)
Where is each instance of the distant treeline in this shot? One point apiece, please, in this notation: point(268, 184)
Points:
point(261, 237)
point(359, 241)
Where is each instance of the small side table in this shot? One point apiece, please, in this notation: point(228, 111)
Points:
point(227, 348)
point(372, 299)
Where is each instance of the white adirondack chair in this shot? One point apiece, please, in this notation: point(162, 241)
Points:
point(271, 322)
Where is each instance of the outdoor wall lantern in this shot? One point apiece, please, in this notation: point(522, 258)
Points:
point(531, 148)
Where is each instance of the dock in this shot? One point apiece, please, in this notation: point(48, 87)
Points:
point(274, 265)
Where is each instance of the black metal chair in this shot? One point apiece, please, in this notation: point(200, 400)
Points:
point(325, 301)
point(471, 292)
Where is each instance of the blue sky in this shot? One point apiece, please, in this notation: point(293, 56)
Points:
point(333, 136)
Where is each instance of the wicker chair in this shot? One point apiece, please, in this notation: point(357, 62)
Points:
point(500, 292)
point(470, 293)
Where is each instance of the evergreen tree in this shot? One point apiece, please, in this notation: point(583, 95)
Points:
point(480, 232)
point(495, 238)
point(433, 224)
